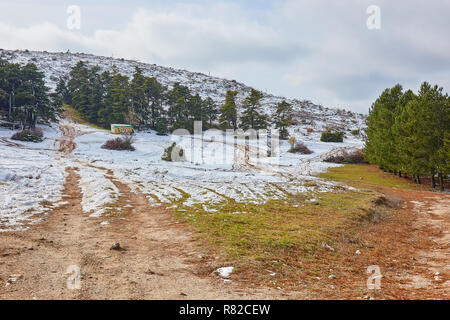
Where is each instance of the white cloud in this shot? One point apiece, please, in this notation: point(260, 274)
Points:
point(318, 50)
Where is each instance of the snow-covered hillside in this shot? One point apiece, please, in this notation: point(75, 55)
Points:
point(307, 114)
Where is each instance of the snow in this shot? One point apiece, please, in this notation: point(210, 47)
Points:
point(29, 175)
point(205, 180)
point(225, 271)
point(32, 175)
point(308, 114)
point(97, 190)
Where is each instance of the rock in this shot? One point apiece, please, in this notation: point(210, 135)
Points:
point(183, 294)
point(332, 276)
point(116, 246)
point(327, 247)
point(13, 279)
point(358, 252)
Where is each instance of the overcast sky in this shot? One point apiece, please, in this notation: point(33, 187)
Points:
point(318, 50)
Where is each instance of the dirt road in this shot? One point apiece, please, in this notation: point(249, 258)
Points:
point(157, 257)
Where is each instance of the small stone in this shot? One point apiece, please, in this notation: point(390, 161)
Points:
point(332, 276)
point(327, 247)
point(358, 252)
point(116, 246)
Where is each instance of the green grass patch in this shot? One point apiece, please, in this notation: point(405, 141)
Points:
point(366, 176)
point(279, 229)
point(78, 117)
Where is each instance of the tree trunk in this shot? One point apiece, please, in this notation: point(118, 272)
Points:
point(10, 107)
point(441, 181)
point(400, 174)
point(418, 179)
point(433, 182)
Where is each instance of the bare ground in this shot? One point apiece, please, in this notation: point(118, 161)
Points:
point(158, 257)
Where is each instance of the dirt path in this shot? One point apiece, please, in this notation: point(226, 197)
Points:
point(69, 132)
point(157, 257)
point(432, 268)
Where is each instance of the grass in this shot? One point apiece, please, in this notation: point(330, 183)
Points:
point(367, 176)
point(78, 117)
point(286, 236)
point(279, 232)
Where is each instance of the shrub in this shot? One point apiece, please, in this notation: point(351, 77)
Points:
point(173, 150)
point(121, 143)
point(300, 147)
point(347, 158)
point(292, 141)
point(355, 132)
point(30, 135)
point(329, 136)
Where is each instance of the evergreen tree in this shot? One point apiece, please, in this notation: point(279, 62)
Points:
point(228, 112)
point(178, 112)
point(402, 132)
point(118, 98)
point(155, 92)
point(25, 94)
point(282, 118)
point(139, 98)
point(380, 145)
point(210, 112)
point(252, 116)
point(409, 134)
point(63, 91)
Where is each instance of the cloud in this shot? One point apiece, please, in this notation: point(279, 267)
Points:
point(319, 50)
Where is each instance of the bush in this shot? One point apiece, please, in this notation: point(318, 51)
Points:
point(119, 144)
point(355, 132)
point(300, 147)
point(30, 135)
point(347, 158)
point(173, 149)
point(329, 136)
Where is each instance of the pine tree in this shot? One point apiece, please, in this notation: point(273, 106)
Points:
point(178, 111)
point(282, 118)
point(228, 112)
point(32, 102)
point(63, 90)
point(380, 146)
point(118, 97)
point(155, 92)
point(416, 142)
point(139, 99)
point(211, 112)
point(253, 117)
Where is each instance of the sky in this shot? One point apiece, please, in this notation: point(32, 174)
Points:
point(323, 51)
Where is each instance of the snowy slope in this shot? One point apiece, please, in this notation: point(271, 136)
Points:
point(31, 179)
point(307, 115)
